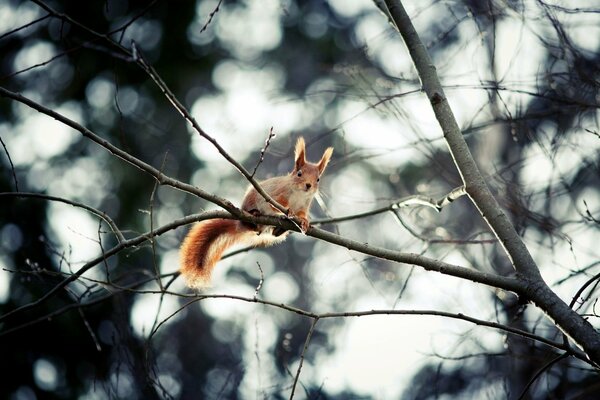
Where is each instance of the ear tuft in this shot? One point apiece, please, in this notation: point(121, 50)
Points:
point(325, 159)
point(300, 153)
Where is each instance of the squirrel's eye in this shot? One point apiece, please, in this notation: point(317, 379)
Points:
point(299, 173)
point(318, 179)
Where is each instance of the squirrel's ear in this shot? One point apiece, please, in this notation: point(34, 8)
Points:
point(300, 153)
point(325, 159)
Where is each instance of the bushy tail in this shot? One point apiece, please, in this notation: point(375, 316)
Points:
point(204, 245)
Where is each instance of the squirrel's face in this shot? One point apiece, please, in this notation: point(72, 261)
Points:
point(306, 174)
point(306, 179)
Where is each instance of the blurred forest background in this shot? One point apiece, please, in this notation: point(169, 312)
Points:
point(522, 77)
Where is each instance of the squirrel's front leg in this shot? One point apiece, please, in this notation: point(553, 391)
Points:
point(299, 217)
point(289, 215)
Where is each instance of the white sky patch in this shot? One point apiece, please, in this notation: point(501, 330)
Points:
point(354, 194)
point(86, 180)
point(368, 131)
point(33, 54)
point(229, 75)
point(281, 287)
point(259, 341)
point(350, 9)
point(386, 141)
point(227, 308)
point(251, 28)
point(246, 112)
point(100, 92)
point(12, 17)
point(143, 312)
point(521, 52)
point(394, 347)
point(394, 58)
point(382, 44)
point(38, 136)
point(75, 231)
point(5, 278)
point(584, 30)
point(377, 355)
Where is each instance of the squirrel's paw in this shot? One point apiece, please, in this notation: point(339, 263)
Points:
point(304, 224)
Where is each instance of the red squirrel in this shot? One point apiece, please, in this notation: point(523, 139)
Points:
point(204, 245)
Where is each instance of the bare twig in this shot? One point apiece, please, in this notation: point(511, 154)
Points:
point(35, 21)
point(211, 16)
point(541, 371)
point(195, 298)
point(125, 156)
point(260, 282)
point(302, 355)
point(89, 329)
point(263, 150)
point(192, 121)
point(152, 241)
point(102, 215)
point(12, 167)
point(582, 288)
point(409, 201)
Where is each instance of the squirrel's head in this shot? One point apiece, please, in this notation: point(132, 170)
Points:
point(306, 174)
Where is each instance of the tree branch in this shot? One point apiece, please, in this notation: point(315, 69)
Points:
point(582, 332)
point(192, 121)
point(428, 264)
point(414, 200)
point(102, 215)
point(137, 57)
point(123, 155)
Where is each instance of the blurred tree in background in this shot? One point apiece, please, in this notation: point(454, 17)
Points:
point(522, 78)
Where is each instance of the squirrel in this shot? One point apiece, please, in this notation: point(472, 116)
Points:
point(206, 242)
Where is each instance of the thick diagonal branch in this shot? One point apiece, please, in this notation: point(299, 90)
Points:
point(534, 286)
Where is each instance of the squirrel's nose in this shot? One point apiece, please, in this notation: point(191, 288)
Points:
point(308, 186)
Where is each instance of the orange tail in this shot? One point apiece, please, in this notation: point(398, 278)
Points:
point(204, 245)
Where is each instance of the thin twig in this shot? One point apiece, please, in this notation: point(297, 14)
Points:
point(582, 288)
point(211, 16)
point(102, 215)
point(125, 156)
point(260, 282)
point(12, 166)
point(152, 241)
point(35, 21)
point(408, 201)
point(540, 372)
point(89, 329)
point(263, 150)
point(192, 121)
point(306, 343)
point(195, 298)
